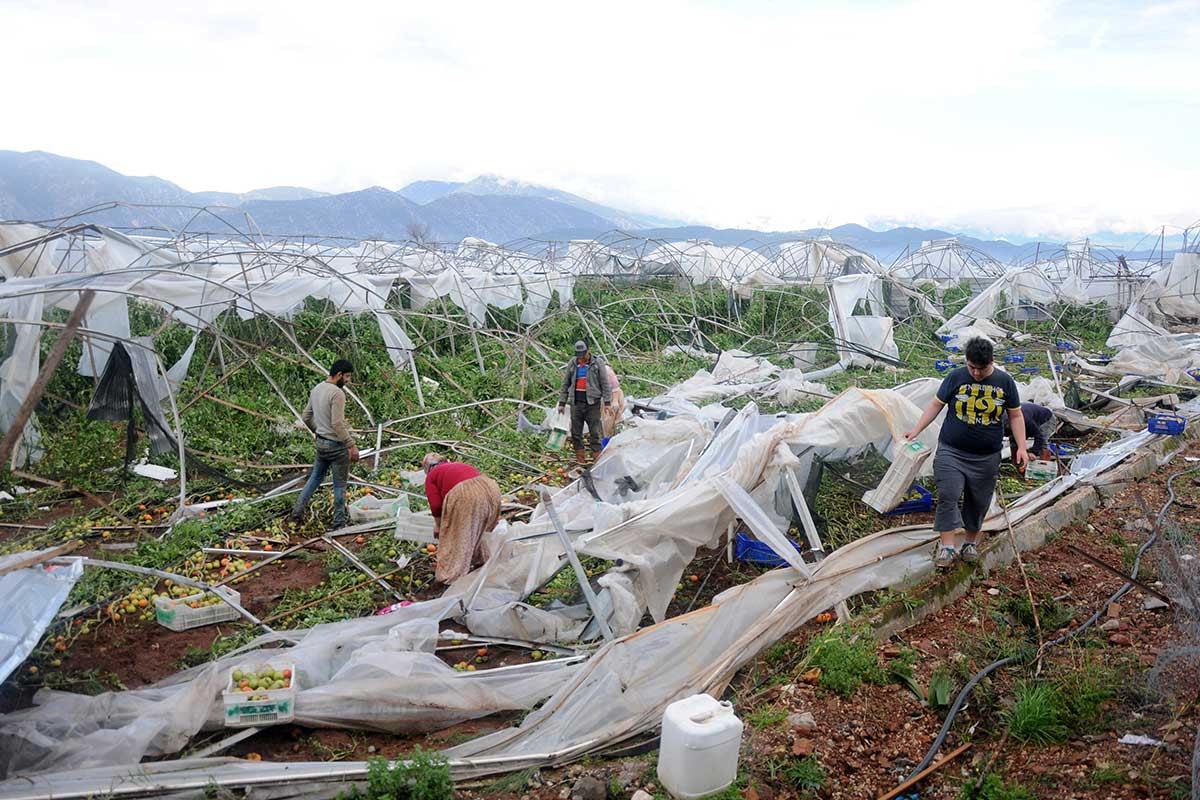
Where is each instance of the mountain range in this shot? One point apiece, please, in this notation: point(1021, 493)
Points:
point(43, 187)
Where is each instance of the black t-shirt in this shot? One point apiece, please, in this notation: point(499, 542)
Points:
point(974, 410)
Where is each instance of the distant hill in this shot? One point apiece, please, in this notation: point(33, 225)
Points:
point(39, 186)
point(494, 185)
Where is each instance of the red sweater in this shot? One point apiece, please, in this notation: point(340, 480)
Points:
point(444, 476)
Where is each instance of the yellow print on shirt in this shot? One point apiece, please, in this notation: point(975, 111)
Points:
point(977, 404)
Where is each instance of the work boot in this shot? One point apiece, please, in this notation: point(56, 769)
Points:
point(595, 456)
point(969, 553)
point(581, 457)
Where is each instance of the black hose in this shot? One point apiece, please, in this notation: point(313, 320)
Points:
point(990, 668)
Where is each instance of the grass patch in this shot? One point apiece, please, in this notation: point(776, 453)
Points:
point(1039, 714)
point(993, 787)
point(766, 716)
point(1052, 614)
point(805, 775)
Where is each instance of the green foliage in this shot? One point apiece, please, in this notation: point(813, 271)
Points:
point(941, 688)
point(846, 658)
point(766, 716)
point(1107, 773)
point(422, 775)
point(993, 787)
point(805, 774)
point(1084, 690)
point(1039, 714)
point(1052, 614)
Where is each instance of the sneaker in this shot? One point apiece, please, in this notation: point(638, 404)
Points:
point(945, 557)
point(969, 553)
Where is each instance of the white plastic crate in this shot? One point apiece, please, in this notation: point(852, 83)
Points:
point(269, 706)
point(175, 614)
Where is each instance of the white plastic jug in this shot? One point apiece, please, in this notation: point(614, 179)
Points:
point(558, 432)
point(698, 754)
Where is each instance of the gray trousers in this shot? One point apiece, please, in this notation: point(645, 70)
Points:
point(964, 477)
point(589, 413)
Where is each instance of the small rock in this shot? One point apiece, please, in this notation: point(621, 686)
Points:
point(803, 747)
point(1110, 625)
point(371, 748)
point(1114, 610)
point(564, 793)
point(1151, 603)
point(628, 773)
point(1119, 639)
point(589, 788)
point(642, 795)
point(802, 721)
point(993, 591)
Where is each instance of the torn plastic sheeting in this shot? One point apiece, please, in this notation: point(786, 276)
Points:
point(623, 689)
point(350, 674)
point(762, 528)
point(19, 371)
point(33, 596)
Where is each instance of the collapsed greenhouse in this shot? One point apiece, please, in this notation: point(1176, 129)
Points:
point(754, 377)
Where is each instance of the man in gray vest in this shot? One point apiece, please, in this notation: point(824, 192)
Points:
point(584, 387)
point(325, 416)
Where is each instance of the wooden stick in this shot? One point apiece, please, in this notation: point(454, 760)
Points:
point(920, 776)
point(1012, 538)
point(34, 560)
point(9, 443)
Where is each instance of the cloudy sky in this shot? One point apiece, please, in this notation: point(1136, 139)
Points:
point(1016, 118)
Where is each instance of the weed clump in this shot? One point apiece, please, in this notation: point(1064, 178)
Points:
point(1039, 714)
point(421, 776)
point(993, 787)
point(846, 658)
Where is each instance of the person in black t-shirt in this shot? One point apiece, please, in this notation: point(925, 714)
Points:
point(967, 462)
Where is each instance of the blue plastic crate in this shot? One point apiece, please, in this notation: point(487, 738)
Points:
point(943, 364)
point(1063, 450)
point(752, 551)
point(946, 337)
point(1030, 370)
point(1195, 374)
point(916, 506)
point(1062, 344)
point(1014, 358)
point(1166, 424)
point(953, 348)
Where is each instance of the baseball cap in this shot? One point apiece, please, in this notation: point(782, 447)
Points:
point(581, 347)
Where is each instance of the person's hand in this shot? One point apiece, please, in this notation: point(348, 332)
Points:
point(1021, 459)
point(354, 452)
point(910, 435)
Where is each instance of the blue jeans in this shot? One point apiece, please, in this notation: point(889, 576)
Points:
point(330, 455)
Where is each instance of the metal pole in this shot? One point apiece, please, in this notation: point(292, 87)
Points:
point(580, 573)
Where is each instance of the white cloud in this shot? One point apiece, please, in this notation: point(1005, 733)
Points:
point(928, 111)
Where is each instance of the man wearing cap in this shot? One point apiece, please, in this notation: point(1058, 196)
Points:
point(585, 386)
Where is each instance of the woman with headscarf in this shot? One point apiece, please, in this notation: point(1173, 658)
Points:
point(465, 505)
